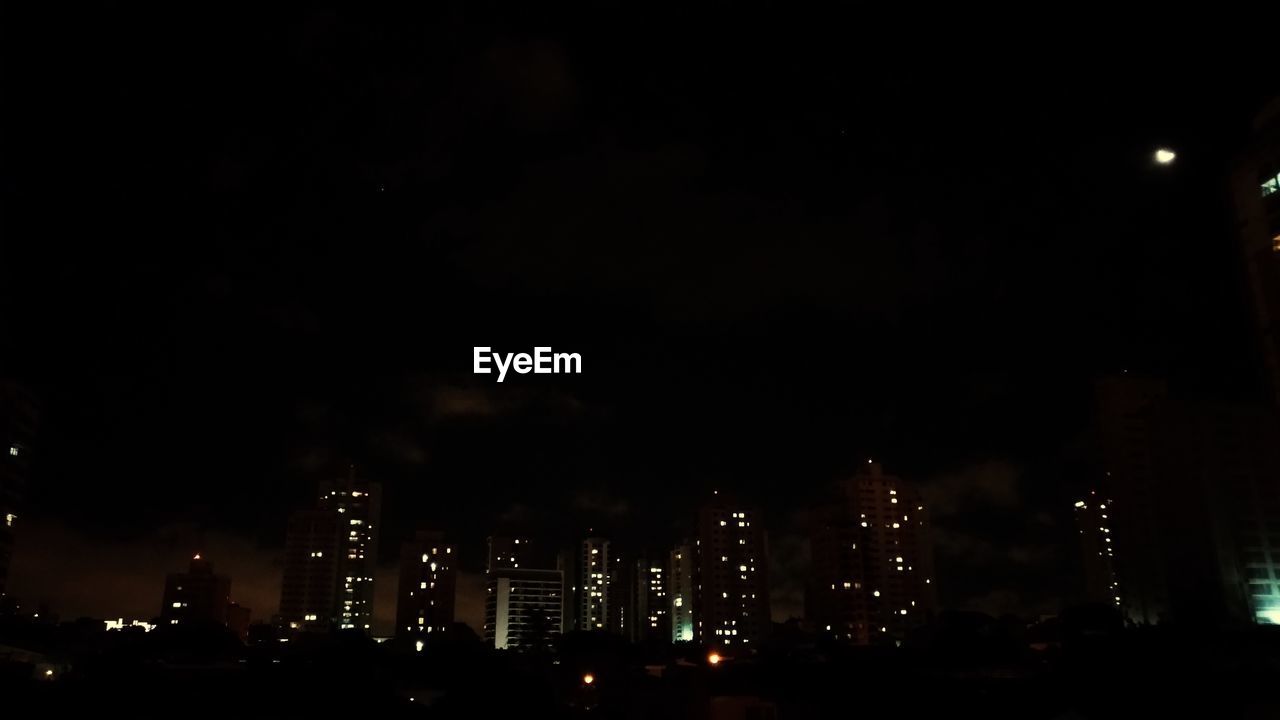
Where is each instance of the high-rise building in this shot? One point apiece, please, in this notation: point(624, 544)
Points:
point(731, 606)
point(872, 560)
point(428, 585)
point(682, 559)
point(1256, 189)
point(567, 564)
point(524, 603)
point(330, 556)
point(593, 602)
point(1094, 516)
point(238, 617)
point(651, 623)
point(18, 417)
point(196, 596)
point(309, 592)
point(596, 576)
point(1197, 527)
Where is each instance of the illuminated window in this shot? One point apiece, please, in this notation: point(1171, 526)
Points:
point(13, 450)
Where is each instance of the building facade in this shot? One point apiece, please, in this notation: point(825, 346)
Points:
point(731, 608)
point(428, 585)
point(330, 558)
point(872, 551)
point(594, 583)
point(651, 623)
point(680, 577)
point(524, 603)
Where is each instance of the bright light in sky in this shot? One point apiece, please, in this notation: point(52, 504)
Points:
point(1164, 156)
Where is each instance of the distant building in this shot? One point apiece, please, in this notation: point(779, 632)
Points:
point(1197, 527)
point(238, 617)
point(872, 554)
point(680, 592)
point(651, 622)
point(595, 580)
point(309, 592)
point(524, 604)
point(196, 596)
point(567, 564)
point(604, 588)
point(330, 558)
point(19, 415)
point(1094, 515)
point(731, 580)
point(1256, 190)
point(622, 595)
point(428, 585)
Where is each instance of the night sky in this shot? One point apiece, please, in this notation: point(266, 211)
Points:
point(240, 252)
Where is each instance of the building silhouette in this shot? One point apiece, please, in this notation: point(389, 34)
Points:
point(731, 580)
point(872, 549)
point(331, 554)
point(19, 416)
point(1094, 517)
point(196, 596)
point(428, 585)
point(238, 619)
point(1255, 187)
point(1197, 527)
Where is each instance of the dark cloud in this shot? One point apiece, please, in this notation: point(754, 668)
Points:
point(601, 504)
point(993, 554)
point(486, 401)
point(990, 484)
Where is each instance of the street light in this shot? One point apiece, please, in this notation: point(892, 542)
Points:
point(713, 659)
point(1164, 156)
point(588, 679)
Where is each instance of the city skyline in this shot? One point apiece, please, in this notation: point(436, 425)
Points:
point(773, 264)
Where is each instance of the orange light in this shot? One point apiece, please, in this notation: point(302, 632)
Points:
point(714, 658)
point(588, 679)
